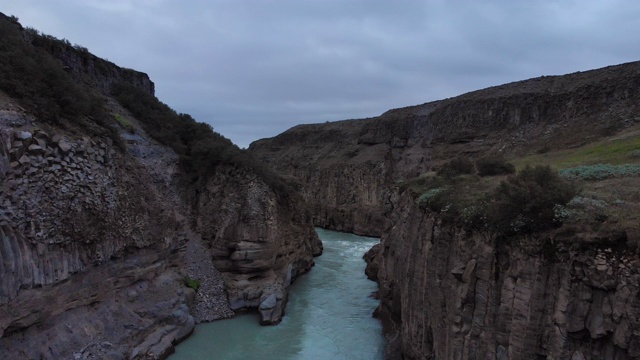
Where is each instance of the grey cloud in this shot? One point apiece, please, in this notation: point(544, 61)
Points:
point(255, 68)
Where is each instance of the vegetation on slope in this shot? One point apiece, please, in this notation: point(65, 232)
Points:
point(196, 143)
point(200, 148)
point(29, 74)
point(38, 80)
point(518, 204)
point(615, 151)
point(540, 198)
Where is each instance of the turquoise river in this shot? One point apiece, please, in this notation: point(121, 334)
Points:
point(328, 315)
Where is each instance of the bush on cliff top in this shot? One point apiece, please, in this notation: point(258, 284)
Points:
point(29, 74)
point(526, 203)
point(522, 204)
point(38, 81)
point(460, 165)
point(494, 165)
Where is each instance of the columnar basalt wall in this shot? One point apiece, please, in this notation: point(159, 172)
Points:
point(69, 204)
point(348, 198)
point(85, 228)
point(81, 227)
point(449, 294)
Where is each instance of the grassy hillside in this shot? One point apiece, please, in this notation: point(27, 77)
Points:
point(589, 193)
point(623, 148)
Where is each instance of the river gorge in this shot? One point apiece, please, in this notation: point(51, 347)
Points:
point(328, 315)
point(508, 221)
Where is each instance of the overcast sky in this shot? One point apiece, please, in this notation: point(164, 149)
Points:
point(253, 69)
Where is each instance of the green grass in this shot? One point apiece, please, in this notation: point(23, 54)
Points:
point(124, 123)
point(613, 152)
point(192, 283)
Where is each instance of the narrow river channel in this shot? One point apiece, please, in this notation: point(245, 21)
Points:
point(328, 315)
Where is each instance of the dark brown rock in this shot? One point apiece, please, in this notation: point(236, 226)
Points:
point(259, 235)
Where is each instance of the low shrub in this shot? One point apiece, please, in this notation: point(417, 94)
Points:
point(494, 165)
point(460, 165)
point(434, 199)
point(419, 185)
point(527, 202)
point(583, 209)
point(543, 150)
point(524, 203)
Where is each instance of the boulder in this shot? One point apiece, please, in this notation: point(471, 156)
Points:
point(269, 303)
point(24, 160)
point(271, 309)
point(64, 146)
point(36, 149)
point(22, 135)
point(39, 134)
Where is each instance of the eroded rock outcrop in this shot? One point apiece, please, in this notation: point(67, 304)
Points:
point(260, 240)
point(449, 294)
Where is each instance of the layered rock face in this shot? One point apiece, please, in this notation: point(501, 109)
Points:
point(260, 241)
point(343, 183)
point(347, 168)
point(448, 294)
point(99, 73)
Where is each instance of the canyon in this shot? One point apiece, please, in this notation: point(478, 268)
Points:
point(121, 231)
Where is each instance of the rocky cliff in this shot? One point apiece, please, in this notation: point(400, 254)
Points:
point(81, 231)
point(260, 242)
point(450, 294)
point(105, 236)
point(346, 168)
